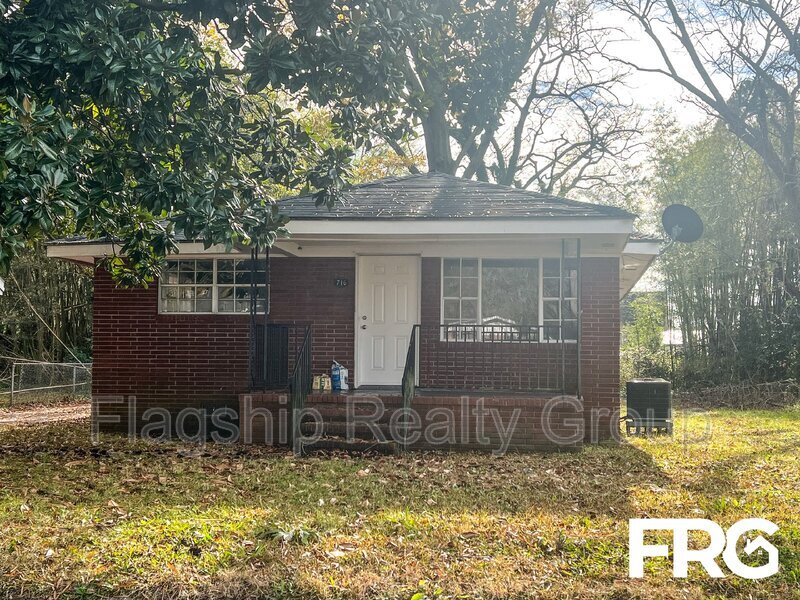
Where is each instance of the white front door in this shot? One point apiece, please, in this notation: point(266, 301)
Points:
point(387, 307)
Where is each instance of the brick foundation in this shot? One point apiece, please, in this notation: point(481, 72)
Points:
point(535, 422)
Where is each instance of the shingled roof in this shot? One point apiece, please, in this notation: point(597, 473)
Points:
point(440, 196)
point(432, 196)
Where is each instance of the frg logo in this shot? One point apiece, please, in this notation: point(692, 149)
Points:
point(720, 544)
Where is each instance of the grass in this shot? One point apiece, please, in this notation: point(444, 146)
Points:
point(162, 521)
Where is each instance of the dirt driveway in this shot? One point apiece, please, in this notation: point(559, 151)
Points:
point(45, 414)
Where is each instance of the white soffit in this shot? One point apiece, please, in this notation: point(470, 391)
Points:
point(86, 252)
point(636, 258)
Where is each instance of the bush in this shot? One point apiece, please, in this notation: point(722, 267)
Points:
point(643, 353)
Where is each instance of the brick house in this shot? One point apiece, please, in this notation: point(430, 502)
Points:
point(436, 293)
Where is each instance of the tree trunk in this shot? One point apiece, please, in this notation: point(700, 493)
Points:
point(437, 141)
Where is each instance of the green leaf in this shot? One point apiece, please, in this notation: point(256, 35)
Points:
point(15, 149)
point(48, 151)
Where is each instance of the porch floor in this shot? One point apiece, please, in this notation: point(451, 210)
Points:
point(390, 391)
point(396, 390)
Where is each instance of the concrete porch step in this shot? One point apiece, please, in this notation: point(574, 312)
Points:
point(339, 429)
point(329, 413)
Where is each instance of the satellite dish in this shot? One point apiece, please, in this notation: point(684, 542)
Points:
point(682, 224)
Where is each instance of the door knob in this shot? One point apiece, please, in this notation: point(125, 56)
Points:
point(363, 327)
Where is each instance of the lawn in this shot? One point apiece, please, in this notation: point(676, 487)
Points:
point(160, 521)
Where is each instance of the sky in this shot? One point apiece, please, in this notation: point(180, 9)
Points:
point(651, 90)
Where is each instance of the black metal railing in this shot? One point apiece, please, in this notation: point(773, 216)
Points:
point(458, 332)
point(276, 348)
point(498, 357)
point(299, 387)
point(409, 384)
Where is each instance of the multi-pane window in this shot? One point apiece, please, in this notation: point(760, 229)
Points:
point(187, 286)
point(460, 290)
point(559, 298)
point(510, 293)
point(211, 285)
point(233, 285)
point(503, 297)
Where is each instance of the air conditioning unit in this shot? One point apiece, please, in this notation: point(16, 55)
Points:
point(649, 406)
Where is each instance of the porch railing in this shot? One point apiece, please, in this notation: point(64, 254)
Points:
point(498, 357)
point(276, 350)
point(409, 384)
point(300, 386)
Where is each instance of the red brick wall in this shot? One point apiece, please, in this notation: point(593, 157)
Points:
point(169, 361)
point(600, 345)
point(304, 290)
point(177, 361)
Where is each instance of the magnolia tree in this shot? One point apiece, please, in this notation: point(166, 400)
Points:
point(117, 123)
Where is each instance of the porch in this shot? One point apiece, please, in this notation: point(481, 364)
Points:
point(427, 333)
point(486, 387)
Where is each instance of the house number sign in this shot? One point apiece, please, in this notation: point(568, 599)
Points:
point(341, 282)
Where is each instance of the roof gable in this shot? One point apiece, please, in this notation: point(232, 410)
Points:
point(441, 196)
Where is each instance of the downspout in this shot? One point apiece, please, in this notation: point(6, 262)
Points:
point(579, 316)
point(253, 323)
point(267, 283)
point(266, 307)
point(562, 270)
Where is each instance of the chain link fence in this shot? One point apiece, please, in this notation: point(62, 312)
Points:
point(32, 382)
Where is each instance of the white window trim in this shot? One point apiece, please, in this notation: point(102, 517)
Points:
point(214, 286)
point(480, 296)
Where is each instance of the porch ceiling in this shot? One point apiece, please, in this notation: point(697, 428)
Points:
point(486, 246)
